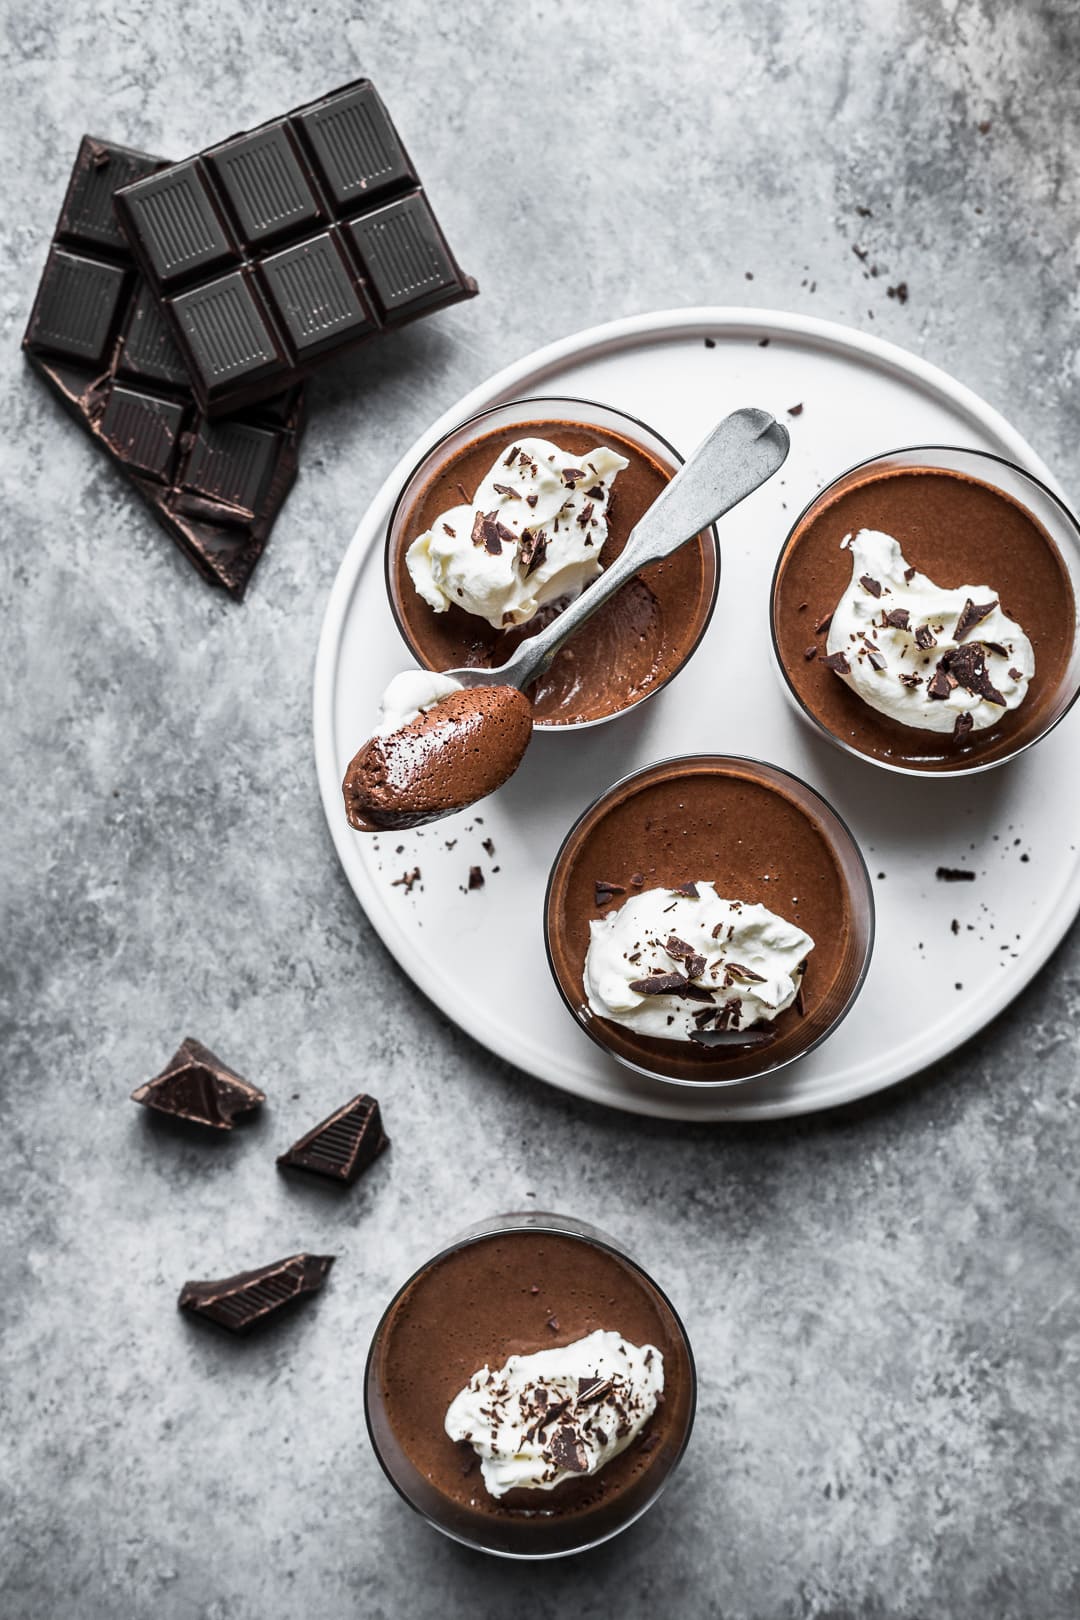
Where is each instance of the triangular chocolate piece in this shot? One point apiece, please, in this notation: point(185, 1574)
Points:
point(195, 1085)
point(242, 1302)
point(344, 1145)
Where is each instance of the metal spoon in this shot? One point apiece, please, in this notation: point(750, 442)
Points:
point(741, 452)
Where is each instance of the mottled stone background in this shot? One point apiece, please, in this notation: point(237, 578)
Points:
point(883, 1301)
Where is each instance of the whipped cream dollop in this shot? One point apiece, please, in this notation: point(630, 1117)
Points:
point(931, 658)
point(679, 965)
point(532, 535)
point(557, 1414)
point(409, 695)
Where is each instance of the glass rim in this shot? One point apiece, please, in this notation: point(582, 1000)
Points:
point(546, 726)
point(598, 1239)
point(864, 967)
point(976, 767)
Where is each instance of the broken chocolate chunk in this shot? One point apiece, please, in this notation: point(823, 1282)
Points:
point(248, 1299)
point(967, 666)
point(962, 726)
point(406, 880)
point(896, 619)
point(533, 550)
point(604, 893)
point(869, 583)
point(877, 657)
point(488, 532)
point(838, 663)
point(972, 614)
point(735, 970)
point(794, 410)
point(940, 684)
point(196, 1086)
point(925, 638)
point(344, 1145)
point(809, 653)
point(661, 984)
point(823, 624)
point(591, 1390)
point(909, 574)
point(508, 490)
point(910, 680)
point(476, 878)
point(566, 1450)
point(690, 890)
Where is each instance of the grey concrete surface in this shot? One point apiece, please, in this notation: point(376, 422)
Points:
point(883, 1301)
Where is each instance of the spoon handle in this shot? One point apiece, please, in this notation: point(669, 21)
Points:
point(739, 454)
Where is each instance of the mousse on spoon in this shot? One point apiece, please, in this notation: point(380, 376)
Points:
point(445, 741)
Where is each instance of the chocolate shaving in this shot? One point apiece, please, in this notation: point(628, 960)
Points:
point(689, 889)
point(488, 532)
point(823, 624)
point(877, 657)
point(531, 500)
point(925, 638)
point(476, 878)
point(809, 653)
point(966, 665)
point(940, 684)
point(964, 724)
point(460, 487)
point(661, 984)
point(406, 880)
point(585, 515)
point(509, 462)
point(591, 1390)
point(553, 1323)
point(794, 410)
point(972, 614)
point(507, 490)
point(869, 583)
point(533, 550)
point(996, 648)
point(488, 845)
point(606, 892)
point(909, 574)
point(596, 493)
point(680, 951)
point(838, 663)
point(910, 680)
point(1016, 674)
point(451, 532)
point(954, 874)
point(896, 619)
point(737, 971)
point(572, 476)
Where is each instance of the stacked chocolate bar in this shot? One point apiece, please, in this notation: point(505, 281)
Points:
point(182, 304)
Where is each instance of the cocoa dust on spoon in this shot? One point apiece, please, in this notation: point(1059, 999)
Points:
point(448, 757)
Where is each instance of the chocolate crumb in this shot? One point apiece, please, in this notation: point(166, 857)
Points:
point(509, 462)
point(795, 410)
point(406, 880)
point(1016, 674)
point(553, 1323)
point(899, 292)
point(954, 874)
point(909, 574)
point(955, 925)
point(637, 880)
point(476, 878)
point(809, 653)
point(763, 343)
point(710, 343)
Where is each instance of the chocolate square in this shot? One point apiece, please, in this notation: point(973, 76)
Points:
point(77, 306)
point(315, 295)
point(143, 430)
point(267, 189)
point(179, 228)
point(403, 254)
point(228, 331)
point(357, 149)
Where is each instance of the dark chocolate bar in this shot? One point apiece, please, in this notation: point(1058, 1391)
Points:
point(97, 336)
point(288, 244)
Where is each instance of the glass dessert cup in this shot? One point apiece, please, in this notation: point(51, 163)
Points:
point(1038, 583)
point(637, 642)
point(554, 1523)
point(761, 835)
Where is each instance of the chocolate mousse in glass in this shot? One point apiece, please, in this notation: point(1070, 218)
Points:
point(892, 680)
point(708, 920)
point(614, 1378)
point(637, 641)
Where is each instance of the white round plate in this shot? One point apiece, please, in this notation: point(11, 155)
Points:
point(948, 956)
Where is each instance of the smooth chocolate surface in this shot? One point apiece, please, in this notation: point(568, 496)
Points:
point(512, 1294)
point(289, 244)
point(630, 646)
point(248, 1299)
point(958, 531)
point(196, 1086)
point(97, 337)
point(448, 757)
point(724, 825)
point(342, 1146)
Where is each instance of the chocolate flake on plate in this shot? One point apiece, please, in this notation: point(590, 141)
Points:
point(795, 410)
point(476, 878)
point(406, 880)
point(196, 1086)
point(343, 1145)
point(972, 614)
point(954, 874)
point(249, 1298)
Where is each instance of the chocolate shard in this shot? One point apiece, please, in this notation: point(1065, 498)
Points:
point(476, 877)
point(877, 658)
point(604, 893)
point(896, 619)
point(661, 984)
point(690, 890)
point(967, 666)
point(939, 684)
point(954, 874)
point(962, 726)
point(196, 1086)
point(925, 638)
point(532, 550)
point(250, 1298)
point(971, 614)
point(838, 663)
point(591, 1390)
point(680, 951)
point(869, 583)
point(566, 1450)
point(344, 1145)
point(823, 623)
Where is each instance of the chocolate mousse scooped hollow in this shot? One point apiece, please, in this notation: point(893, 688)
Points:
point(449, 756)
point(511, 1286)
point(760, 836)
point(961, 517)
point(637, 642)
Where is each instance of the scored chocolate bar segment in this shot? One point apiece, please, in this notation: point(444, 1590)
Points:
point(343, 1146)
point(98, 337)
point(288, 244)
point(249, 1298)
point(196, 1086)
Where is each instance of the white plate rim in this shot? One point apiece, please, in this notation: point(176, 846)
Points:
point(529, 372)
